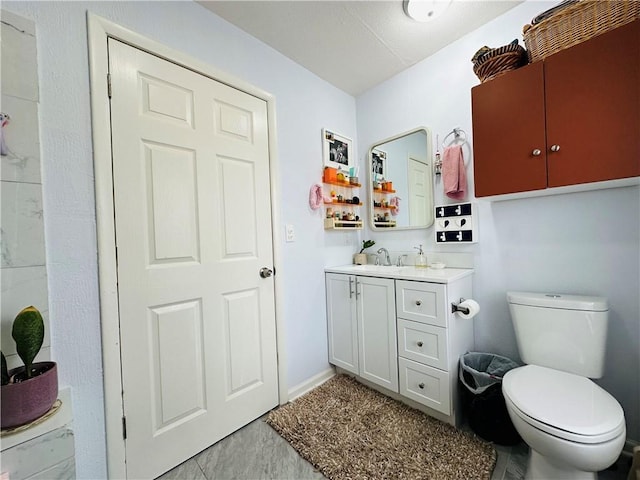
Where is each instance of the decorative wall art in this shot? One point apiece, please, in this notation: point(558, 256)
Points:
point(337, 151)
point(378, 164)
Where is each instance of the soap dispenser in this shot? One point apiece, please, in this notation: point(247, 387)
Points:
point(421, 258)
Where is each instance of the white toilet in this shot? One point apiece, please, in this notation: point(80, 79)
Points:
point(573, 427)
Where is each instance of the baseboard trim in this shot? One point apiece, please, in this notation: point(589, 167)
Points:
point(311, 383)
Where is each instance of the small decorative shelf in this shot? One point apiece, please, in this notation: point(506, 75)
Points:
point(342, 184)
point(388, 207)
point(336, 224)
point(390, 224)
point(379, 190)
point(348, 206)
point(344, 203)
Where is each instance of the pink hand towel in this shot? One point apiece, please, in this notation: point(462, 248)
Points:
point(395, 202)
point(454, 173)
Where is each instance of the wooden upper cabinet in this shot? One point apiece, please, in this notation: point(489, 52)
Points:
point(509, 133)
point(585, 101)
point(593, 109)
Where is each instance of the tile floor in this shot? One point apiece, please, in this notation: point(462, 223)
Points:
point(258, 452)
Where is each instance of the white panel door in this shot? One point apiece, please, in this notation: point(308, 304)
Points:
point(193, 230)
point(419, 180)
point(342, 322)
point(378, 347)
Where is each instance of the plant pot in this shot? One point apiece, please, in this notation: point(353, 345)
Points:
point(360, 258)
point(28, 400)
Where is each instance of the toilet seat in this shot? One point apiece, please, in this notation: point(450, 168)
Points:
point(562, 404)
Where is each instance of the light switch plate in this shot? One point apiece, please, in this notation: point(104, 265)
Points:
point(290, 233)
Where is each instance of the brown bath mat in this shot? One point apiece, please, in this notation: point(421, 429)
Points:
point(349, 431)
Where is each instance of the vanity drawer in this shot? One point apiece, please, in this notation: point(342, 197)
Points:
point(421, 302)
point(423, 343)
point(426, 385)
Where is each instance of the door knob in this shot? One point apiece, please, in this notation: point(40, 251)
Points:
point(266, 272)
point(555, 148)
point(536, 152)
point(420, 344)
point(418, 302)
point(421, 385)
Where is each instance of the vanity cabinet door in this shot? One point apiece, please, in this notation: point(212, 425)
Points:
point(378, 348)
point(342, 323)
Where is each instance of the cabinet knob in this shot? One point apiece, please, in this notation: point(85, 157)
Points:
point(555, 148)
point(420, 344)
point(536, 152)
point(421, 385)
point(418, 302)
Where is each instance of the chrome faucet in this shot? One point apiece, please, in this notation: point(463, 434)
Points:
point(387, 258)
point(400, 260)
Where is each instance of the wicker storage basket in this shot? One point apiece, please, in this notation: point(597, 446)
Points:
point(577, 23)
point(498, 61)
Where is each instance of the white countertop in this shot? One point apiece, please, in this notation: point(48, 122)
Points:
point(443, 275)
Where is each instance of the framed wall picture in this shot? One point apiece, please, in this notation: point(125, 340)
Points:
point(337, 150)
point(378, 164)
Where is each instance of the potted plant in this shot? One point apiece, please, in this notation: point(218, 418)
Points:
point(29, 391)
point(361, 258)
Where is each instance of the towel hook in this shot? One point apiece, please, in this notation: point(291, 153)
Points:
point(457, 133)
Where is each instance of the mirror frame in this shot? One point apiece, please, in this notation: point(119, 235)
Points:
point(370, 192)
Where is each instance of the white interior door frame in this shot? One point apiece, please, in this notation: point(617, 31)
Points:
point(99, 30)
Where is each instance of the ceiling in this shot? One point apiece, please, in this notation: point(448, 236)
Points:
point(354, 45)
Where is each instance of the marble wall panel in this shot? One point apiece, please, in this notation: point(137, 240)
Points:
point(22, 162)
point(48, 456)
point(23, 275)
point(22, 228)
point(19, 77)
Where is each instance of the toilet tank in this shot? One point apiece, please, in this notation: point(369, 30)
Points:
point(565, 332)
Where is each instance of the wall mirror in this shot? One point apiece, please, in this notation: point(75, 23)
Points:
point(401, 182)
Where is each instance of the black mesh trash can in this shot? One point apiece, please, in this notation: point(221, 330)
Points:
point(481, 375)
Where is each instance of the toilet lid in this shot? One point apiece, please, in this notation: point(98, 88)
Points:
point(563, 404)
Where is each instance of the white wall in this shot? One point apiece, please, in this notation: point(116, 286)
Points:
point(575, 243)
point(304, 105)
point(523, 244)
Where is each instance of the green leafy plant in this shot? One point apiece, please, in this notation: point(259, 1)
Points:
point(28, 333)
point(366, 244)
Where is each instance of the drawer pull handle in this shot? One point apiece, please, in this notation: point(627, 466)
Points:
point(420, 344)
point(418, 302)
point(421, 385)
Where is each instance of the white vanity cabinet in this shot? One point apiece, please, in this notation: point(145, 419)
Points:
point(361, 326)
point(413, 308)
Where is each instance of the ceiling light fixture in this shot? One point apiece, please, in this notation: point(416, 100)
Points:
point(425, 10)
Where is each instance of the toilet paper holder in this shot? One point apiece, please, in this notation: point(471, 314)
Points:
point(455, 307)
